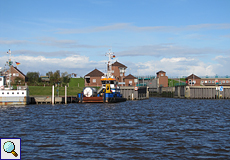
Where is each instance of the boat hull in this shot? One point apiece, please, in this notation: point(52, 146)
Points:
point(101, 100)
point(14, 97)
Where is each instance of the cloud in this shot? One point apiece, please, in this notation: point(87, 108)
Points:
point(176, 67)
point(72, 64)
point(12, 42)
point(64, 43)
point(130, 27)
point(162, 50)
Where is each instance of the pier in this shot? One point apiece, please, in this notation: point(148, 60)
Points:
point(48, 100)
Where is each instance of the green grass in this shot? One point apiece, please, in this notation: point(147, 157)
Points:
point(75, 81)
point(47, 91)
point(172, 82)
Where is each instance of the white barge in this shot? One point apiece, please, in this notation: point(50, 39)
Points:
point(8, 95)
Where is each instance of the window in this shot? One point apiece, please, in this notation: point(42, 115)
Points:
point(209, 81)
point(0, 79)
point(14, 74)
point(17, 92)
point(94, 80)
point(223, 81)
point(2, 92)
point(227, 81)
point(212, 81)
point(205, 81)
point(162, 75)
point(12, 92)
point(22, 92)
point(17, 74)
point(202, 81)
point(7, 92)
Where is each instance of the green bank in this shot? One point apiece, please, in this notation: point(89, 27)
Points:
point(76, 86)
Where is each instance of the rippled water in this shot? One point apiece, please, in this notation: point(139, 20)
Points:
point(156, 128)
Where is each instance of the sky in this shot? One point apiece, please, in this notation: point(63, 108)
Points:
point(180, 37)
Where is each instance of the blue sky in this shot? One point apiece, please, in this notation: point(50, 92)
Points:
point(178, 36)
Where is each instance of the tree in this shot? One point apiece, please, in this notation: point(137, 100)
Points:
point(33, 77)
point(65, 77)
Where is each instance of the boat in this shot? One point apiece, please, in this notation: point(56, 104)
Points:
point(8, 95)
point(109, 91)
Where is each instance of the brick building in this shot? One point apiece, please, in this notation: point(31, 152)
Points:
point(130, 80)
point(194, 80)
point(16, 76)
point(119, 71)
point(162, 79)
point(93, 78)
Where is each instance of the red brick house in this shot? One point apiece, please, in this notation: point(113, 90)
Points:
point(130, 80)
point(193, 80)
point(162, 79)
point(16, 76)
point(119, 71)
point(93, 78)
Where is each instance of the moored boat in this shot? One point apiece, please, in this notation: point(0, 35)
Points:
point(8, 95)
point(109, 91)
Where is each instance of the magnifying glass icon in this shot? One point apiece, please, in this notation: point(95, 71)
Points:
point(9, 147)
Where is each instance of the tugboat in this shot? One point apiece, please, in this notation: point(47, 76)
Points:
point(109, 91)
point(9, 96)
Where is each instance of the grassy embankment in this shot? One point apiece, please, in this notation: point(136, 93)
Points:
point(173, 82)
point(72, 90)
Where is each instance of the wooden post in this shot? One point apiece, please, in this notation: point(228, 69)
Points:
point(65, 94)
point(53, 94)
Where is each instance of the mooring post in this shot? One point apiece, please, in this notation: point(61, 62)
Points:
point(53, 94)
point(65, 94)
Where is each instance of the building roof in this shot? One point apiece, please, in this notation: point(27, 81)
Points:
point(118, 64)
point(161, 72)
point(192, 76)
point(130, 77)
point(95, 73)
point(19, 71)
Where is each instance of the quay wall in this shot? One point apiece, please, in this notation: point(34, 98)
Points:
point(202, 92)
point(134, 93)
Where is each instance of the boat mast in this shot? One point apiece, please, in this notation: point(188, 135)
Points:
point(9, 63)
point(110, 55)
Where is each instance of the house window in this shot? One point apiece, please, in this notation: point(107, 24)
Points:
point(220, 82)
point(212, 81)
point(94, 80)
point(130, 82)
point(2, 92)
point(87, 80)
point(209, 81)
point(223, 81)
point(22, 92)
point(0, 79)
point(7, 92)
point(14, 74)
point(227, 81)
point(12, 92)
point(17, 92)
point(162, 75)
point(205, 81)
point(202, 81)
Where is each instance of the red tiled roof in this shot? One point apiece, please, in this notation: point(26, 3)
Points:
point(130, 77)
point(95, 73)
point(161, 72)
point(192, 76)
point(119, 64)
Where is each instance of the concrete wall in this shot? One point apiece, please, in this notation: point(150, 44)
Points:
point(130, 93)
point(202, 92)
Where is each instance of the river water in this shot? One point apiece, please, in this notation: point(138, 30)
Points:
point(156, 128)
